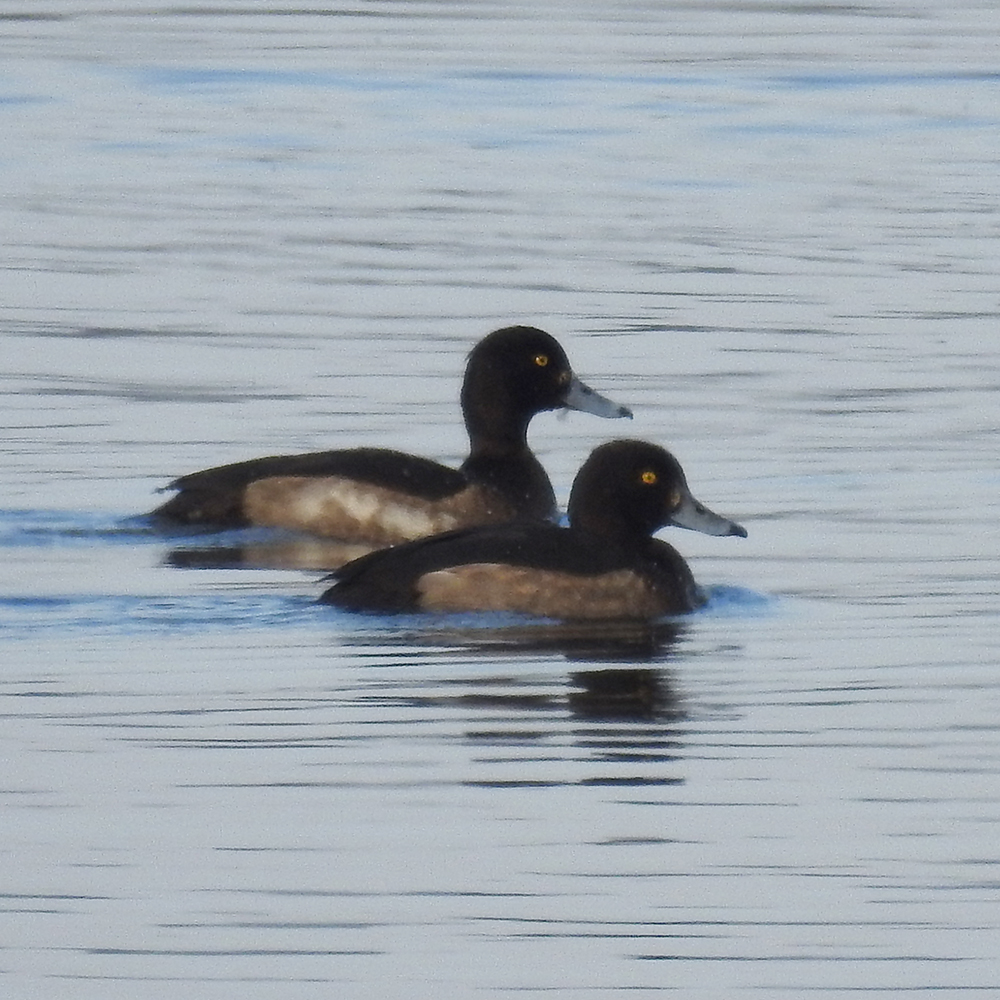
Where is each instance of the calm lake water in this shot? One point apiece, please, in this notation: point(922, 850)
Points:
point(770, 229)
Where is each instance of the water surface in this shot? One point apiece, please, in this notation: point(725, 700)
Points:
point(771, 230)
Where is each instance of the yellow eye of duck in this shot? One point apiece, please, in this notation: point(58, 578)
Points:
point(541, 360)
point(648, 477)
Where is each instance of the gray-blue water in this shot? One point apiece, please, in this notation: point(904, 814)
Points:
point(239, 229)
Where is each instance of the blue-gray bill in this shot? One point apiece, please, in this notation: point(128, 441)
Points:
point(696, 516)
point(579, 396)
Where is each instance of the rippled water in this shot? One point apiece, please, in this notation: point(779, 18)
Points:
point(769, 229)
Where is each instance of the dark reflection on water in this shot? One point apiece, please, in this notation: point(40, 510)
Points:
point(625, 717)
point(268, 553)
point(624, 694)
point(628, 641)
point(621, 724)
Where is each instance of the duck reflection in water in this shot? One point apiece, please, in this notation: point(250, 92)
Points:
point(264, 549)
point(638, 694)
point(624, 641)
point(610, 685)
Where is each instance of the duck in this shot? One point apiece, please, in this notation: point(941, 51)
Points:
point(605, 564)
point(377, 496)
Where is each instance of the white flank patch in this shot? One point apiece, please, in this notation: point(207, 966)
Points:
point(344, 508)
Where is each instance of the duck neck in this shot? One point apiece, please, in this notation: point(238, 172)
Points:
point(598, 520)
point(496, 427)
point(516, 475)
